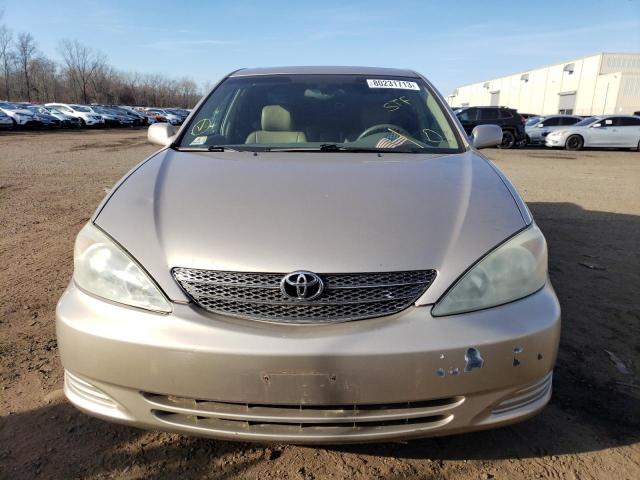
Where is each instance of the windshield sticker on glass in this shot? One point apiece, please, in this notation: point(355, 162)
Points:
point(396, 103)
point(203, 127)
point(401, 84)
point(199, 140)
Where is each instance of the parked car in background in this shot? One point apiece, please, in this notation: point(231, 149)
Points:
point(183, 114)
point(47, 120)
point(85, 114)
point(137, 118)
point(169, 117)
point(539, 127)
point(151, 119)
point(292, 325)
point(20, 116)
point(508, 119)
point(611, 131)
point(157, 117)
point(5, 121)
point(66, 121)
point(112, 117)
point(531, 120)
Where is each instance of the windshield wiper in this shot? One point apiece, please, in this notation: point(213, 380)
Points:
point(332, 147)
point(325, 147)
point(210, 148)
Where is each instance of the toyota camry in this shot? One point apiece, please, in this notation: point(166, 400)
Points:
point(318, 255)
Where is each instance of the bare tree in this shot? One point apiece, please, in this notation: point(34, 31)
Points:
point(6, 58)
point(44, 82)
point(81, 65)
point(84, 76)
point(25, 51)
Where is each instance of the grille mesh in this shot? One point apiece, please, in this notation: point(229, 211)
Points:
point(346, 296)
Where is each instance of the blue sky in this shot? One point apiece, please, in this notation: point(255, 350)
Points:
point(452, 42)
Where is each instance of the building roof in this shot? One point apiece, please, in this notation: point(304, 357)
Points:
point(325, 70)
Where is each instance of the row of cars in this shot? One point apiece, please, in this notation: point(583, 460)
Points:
point(67, 115)
point(574, 133)
point(564, 131)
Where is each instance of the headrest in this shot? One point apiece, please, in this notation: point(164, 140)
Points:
point(275, 118)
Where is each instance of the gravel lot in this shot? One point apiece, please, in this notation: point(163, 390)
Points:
point(587, 203)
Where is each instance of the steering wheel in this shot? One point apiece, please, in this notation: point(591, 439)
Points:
point(382, 126)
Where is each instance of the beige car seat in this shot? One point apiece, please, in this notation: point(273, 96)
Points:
point(276, 127)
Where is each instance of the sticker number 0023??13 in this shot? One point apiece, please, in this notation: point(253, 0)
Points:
point(383, 83)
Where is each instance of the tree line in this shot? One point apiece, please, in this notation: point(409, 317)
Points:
point(83, 76)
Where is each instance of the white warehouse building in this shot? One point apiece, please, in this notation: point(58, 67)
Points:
point(605, 83)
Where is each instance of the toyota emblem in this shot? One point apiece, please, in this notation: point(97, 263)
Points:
point(301, 285)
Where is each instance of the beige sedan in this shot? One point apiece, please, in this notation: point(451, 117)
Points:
point(319, 255)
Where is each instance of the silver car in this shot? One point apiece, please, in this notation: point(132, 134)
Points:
point(609, 131)
point(319, 255)
point(538, 128)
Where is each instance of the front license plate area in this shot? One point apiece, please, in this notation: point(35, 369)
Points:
point(307, 388)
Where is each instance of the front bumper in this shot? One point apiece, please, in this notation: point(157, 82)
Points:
point(554, 141)
point(403, 376)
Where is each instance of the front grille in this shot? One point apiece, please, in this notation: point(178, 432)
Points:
point(291, 422)
point(346, 296)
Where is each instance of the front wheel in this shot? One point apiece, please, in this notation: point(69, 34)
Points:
point(574, 142)
point(508, 140)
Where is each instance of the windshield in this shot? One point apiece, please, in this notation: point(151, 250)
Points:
point(10, 106)
point(307, 112)
point(586, 121)
point(531, 121)
point(78, 108)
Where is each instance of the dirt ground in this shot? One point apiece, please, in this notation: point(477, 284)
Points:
point(587, 203)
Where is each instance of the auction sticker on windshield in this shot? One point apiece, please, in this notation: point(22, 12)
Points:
point(402, 84)
point(199, 140)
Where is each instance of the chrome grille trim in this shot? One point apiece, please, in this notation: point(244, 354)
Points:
point(525, 395)
point(346, 296)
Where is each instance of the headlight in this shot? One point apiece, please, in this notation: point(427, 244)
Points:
point(104, 269)
point(513, 270)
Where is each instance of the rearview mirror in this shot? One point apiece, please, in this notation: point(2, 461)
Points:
point(161, 134)
point(486, 136)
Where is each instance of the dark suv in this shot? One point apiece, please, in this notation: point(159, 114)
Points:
point(511, 122)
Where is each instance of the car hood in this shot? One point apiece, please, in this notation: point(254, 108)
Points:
point(324, 212)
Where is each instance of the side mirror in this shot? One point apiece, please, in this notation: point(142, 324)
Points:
point(161, 134)
point(596, 125)
point(486, 136)
point(540, 125)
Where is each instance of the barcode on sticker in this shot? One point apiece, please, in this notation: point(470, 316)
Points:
point(401, 84)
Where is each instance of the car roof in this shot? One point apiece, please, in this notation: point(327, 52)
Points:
point(324, 70)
